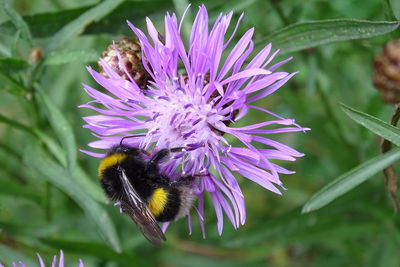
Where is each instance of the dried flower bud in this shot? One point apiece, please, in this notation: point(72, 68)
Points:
point(387, 72)
point(36, 55)
point(130, 52)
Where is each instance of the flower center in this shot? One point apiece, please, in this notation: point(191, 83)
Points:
point(181, 119)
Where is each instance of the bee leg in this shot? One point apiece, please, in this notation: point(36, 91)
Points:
point(162, 154)
point(152, 168)
point(157, 157)
point(152, 164)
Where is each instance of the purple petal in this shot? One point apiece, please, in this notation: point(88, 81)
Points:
point(245, 74)
point(61, 261)
point(164, 227)
point(200, 212)
point(93, 154)
point(218, 212)
point(54, 262)
point(270, 89)
point(281, 147)
point(40, 260)
point(236, 52)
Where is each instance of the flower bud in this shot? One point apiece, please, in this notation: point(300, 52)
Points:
point(36, 55)
point(131, 56)
point(387, 72)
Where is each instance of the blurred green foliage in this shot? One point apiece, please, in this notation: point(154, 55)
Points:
point(49, 195)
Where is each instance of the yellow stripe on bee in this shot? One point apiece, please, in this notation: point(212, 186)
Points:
point(158, 201)
point(110, 161)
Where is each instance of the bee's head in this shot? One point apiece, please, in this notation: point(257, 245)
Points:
point(125, 148)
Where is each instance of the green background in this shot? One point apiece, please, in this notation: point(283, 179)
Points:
point(50, 198)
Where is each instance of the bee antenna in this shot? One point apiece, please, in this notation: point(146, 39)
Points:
point(130, 136)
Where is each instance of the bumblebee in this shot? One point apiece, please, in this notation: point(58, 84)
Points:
point(143, 193)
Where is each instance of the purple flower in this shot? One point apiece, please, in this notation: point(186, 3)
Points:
point(53, 264)
point(193, 100)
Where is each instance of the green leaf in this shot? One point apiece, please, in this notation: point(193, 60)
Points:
point(309, 34)
point(15, 124)
point(61, 127)
point(93, 189)
point(375, 125)
point(47, 24)
point(10, 85)
point(383, 252)
point(38, 160)
point(12, 65)
point(78, 174)
point(17, 20)
point(395, 6)
point(350, 180)
point(11, 188)
point(191, 260)
point(9, 255)
point(63, 57)
point(78, 25)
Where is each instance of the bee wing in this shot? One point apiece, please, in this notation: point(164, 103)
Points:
point(137, 209)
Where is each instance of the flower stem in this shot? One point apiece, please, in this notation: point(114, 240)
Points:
point(389, 172)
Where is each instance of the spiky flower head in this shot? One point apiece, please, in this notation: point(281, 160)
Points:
point(194, 100)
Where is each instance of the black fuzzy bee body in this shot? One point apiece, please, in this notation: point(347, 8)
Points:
point(145, 194)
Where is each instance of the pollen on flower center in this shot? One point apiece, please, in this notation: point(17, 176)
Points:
point(182, 118)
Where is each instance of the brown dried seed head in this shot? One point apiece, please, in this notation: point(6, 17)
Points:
point(131, 56)
point(387, 72)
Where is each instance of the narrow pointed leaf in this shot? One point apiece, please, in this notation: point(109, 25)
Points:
point(48, 23)
point(15, 124)
point(64, 57)
point(395, 6)
point(375, 125)
point(10, 255)
point(78, 174)
point(309, 34)
point(10, 85)
point(77, 26)
point(12, 65)
point(61, 127)
point(17, 20)
point(350, 180)
point(38, 160)
point(14, 189)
